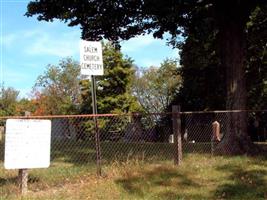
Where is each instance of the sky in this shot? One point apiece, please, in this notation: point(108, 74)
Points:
point(28, 46)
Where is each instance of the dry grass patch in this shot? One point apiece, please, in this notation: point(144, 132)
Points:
point(199, 177)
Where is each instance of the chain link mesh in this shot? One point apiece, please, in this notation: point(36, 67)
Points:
point(147, 138)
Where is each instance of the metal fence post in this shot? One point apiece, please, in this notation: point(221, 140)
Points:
point(98, 151)
point(97, 139)
point(176, 124)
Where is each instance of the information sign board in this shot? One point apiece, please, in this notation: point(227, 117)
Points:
point(27, 143)
point(91, 59)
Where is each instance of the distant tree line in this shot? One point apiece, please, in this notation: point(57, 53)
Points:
point(123, 88)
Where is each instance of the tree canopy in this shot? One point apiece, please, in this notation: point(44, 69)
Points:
point(114, 87)
point(114, 20)
point(203, 74)
point(257, 59)
point(156, 87)
point(120, 20)
point(8, 99)
point(57, 90)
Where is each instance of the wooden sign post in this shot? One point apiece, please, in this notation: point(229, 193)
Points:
point(23, 181)
point(23, 174)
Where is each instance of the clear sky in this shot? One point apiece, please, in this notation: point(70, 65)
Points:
point(28, 46)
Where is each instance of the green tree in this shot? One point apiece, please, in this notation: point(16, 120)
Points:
point(57, 91)
point(155, 88)
point(114, 87)
point(120, 20)
point(204, 86)
point(203, 74)
point(257, 59)
point(24, 105)
point(8, 101)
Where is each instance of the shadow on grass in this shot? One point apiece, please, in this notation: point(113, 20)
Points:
point(180, 196)
point(242, 183)
point(83, 152)
point(140, 185)
point(71, 151)
point(238, 181)
point(262, 154)
point(14, 180)
point(7, 181)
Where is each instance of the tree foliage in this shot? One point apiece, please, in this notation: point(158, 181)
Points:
point(57, 91)
point(114, 87)
point(155, 87)
point(119, 20)
point(8, 100)
point(115, 20)
point(203, 74)
point(204, 86)
point(257, 59)
point(25, 105)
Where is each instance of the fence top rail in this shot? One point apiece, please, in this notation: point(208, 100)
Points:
point(56, 116)
point(220, 111)
point(81, 116)
point(126, 114)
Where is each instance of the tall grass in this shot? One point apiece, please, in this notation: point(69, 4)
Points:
point(140, 171)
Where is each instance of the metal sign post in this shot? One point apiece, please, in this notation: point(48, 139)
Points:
point(92, 64)
point(97, 139)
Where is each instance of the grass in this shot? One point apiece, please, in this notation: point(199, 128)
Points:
point(140, 171)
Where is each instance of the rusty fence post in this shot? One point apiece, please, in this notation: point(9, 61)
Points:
point(176, 124)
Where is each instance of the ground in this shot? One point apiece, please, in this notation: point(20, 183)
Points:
point(201, 176)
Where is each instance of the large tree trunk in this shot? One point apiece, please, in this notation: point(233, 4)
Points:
point(232, 18)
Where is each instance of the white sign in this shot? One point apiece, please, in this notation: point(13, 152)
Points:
point(91, 59)
point(27, 143)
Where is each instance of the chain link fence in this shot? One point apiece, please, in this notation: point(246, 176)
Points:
point(86, 144)
point(200, 137)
